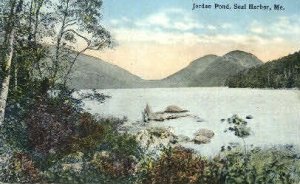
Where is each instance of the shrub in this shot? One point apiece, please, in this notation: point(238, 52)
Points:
point(180, 165)
point(50, 126)
point(56, 128)
point(273, 165)
point(20, 168)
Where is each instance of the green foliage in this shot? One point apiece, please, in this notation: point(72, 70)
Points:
point(273, 165)
point(180, 165)
point(278, 165)
point(281, 73)
point(238, 126)
point(240, 129)
point(20, 168)
point(54, 130)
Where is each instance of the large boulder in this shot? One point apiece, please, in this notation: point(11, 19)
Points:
point(205, 132)
point(155, 137)
point(165, 116)
point(200, 139)
point(157, 117)
point(174, 109)
point(203, 136)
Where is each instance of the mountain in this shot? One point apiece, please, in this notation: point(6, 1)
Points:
point(210, 70)
point(183, 77)
point(280, 73)
point(90, 72)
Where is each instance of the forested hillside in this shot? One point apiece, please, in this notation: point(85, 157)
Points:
point(281, 73)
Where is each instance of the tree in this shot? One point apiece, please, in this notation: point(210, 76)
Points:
point(79, 21)
point(41, 39)
point(10, 31)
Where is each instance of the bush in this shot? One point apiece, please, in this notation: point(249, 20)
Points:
point(55, 128)
point(20, 168)
point(180, 165)
point(273, 165)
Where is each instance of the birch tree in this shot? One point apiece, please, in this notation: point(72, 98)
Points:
point(79, 24)
point(10, 31)
point(45, 40)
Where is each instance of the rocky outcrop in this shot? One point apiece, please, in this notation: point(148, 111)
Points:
point(155, 137)
point(168, 114)
point(205, 132)
point(174, 109)
point(203, 136)
point(200, 139)
point(165, 116)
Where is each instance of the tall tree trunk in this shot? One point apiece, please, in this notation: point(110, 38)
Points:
point(58, 43)
point(16, 77)
point(6, 80)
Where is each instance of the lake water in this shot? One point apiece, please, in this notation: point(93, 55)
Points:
point(276, 113)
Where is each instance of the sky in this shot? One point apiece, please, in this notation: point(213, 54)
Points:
point(156, 38)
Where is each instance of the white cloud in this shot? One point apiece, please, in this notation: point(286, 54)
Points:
point(189, 38)
point(211, 27)
point(173, 26)
point(118, 22)
point(114, 22)
point(226, 26)
point(257, 28)
point(288, 27)
point(158, 36)
point(160, 19)
point(175, 19)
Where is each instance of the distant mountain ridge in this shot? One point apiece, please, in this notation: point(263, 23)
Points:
point(91, 72)
point(280, 73)
point(210, 70)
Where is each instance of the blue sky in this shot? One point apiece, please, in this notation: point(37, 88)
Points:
point(158, 37)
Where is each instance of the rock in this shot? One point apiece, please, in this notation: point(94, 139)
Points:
point(155, 137)
point(205, 132)
point(161, 132)
point(203, 136)
point(173, 116)
point(147, 113)
point(165, 116)
point(174, 109)
point(249, 117)
point(183, 138)
point(156, 117)
point(143, 137)
point(168, 114)
point(200, 139)
point(148, 109)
